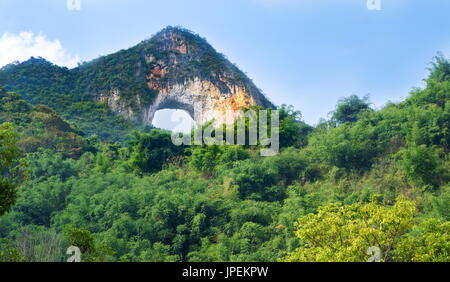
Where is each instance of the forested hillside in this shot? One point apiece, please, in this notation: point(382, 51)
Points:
point(113, 94)
point(40, 82)
point(361, 178)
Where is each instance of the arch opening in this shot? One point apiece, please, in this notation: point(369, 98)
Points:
point(176, 120)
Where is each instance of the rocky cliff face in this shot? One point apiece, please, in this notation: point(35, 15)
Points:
point(174, 69)
point(180, 71)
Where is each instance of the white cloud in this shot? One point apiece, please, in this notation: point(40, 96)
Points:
point(20, 47)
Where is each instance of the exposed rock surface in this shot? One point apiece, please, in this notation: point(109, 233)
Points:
point(174, 69)
point(184, 72)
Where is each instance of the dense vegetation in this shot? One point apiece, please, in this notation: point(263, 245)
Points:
point(362, 178)
point(40, 82)
point(76, 94)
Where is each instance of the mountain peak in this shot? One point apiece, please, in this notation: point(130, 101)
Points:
point(175, 69)
point(31, 61)
point(37, 60)
point(179, 39)
point(174, 39)
point(178, 30)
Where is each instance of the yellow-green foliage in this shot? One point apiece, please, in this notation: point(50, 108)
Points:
point(147, 200)
point(345, 232)
point(430, 244)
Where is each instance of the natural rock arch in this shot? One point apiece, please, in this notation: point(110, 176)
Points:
point(202, 100)
point(182, 71)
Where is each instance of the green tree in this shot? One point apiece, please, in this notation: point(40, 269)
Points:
point(215, 158)
point(349, 146)
point(423, 165)
point(90, 251)
point(80, 238)
point(9, 252)
point(429, 242)
point(10, 167)
point(440, 69)
point(345, 232)
point(257, 181)
point(293, 131)
point(149, 151)
point(350, 109)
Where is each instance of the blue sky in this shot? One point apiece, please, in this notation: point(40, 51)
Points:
point(307, 53)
